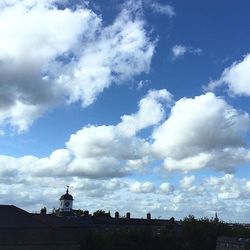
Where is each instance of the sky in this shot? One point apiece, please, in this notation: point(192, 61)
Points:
point(139, 106)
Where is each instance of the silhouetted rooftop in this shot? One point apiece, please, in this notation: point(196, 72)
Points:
point(14, 217)
point(66, 196)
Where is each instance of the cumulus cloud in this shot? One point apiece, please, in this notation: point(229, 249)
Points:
point(166, 188)
point(40, 66)
point(98, 152)
point(138, 187)
point(178, 51)
point(107, 150)
point(226, 194)
point(202, 131)
point(199, 132)
point(236, 77)
point(122, 50)
point(187, 182)
point(96, 188)
point(25, 94)
point(228, 187)
point(151, 112)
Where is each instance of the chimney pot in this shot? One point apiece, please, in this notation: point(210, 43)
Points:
point(117, 215)
point(148, 216)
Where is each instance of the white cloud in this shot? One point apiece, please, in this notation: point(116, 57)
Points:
point(178, 199)
point(96, 188)
point(101, 167)
point(101, 151)
point(228, 187)
point(20, 115)
point(202, 131)
point(138, 187)
point(188, 163)
point(236, 77)
point(187, 182)
point(98, 151)
point(29, 40)
point(42, 66)
point(122, 50)
point(54, 165)
point(199, 132)
point(142, 84)
point(162, 9)
point(166, 188)
point(226, 194)
point(178, 51)
point(151, 112)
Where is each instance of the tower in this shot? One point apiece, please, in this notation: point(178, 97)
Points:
point(216, 219)
point(66, 203)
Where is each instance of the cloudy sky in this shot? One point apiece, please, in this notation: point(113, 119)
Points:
point(139, 106)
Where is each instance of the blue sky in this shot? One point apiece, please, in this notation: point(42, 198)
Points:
point(139, 106)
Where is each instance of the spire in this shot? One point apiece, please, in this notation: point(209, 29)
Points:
point(216, 219)
point(67, 196)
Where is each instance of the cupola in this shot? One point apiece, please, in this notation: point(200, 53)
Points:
point(66, 202)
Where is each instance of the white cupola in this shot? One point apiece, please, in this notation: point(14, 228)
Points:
point(66, 202)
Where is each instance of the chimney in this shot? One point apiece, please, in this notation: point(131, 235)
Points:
point(43, 210)
point(117, 215)
point(128, 215)
point(148, 216)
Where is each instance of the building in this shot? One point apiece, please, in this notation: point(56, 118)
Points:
point(233, 243)
point(23, 231)
point(66, 229)
point(66, 203)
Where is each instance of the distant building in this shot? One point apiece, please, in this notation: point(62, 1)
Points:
point(233, 243)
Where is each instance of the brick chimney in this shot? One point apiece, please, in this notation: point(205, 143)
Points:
point(148, 216)
point(117, 215)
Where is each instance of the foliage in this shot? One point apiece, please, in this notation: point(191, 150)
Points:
point(102, 213)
